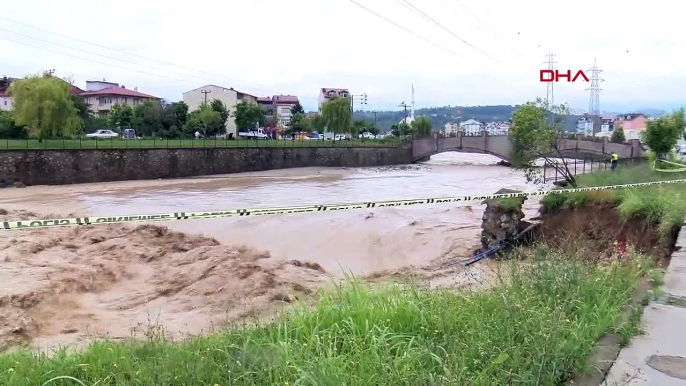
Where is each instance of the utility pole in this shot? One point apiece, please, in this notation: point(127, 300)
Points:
point(405, 106)
point(594, 102)
point(375, 112)
point(206, 92)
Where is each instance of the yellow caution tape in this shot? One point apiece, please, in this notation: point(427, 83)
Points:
point(682, 168)
point(62, 222)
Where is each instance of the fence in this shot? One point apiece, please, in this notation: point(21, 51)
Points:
point(159, 143)
point(581, 166)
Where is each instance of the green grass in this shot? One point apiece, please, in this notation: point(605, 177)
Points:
point(535, 326)
point(87, 143)
point(663, 204)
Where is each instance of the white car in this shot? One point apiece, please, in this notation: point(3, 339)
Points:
point(103, 134)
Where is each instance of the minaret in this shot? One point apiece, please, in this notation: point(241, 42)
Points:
point(412, 109)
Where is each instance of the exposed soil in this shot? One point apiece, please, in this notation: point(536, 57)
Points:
point(66, 285)
point(601, 227)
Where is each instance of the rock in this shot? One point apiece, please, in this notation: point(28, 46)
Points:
point(503, 217)
point(18, 184)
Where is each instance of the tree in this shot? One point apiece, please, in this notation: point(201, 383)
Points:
point(120, 115)
point(395, 130)
point(174, 114)
point(534, 136)
point(404, 129)
point(422, 126)
point(147, 118)
point(373, 129)
point(205, 120)
point(96, 123)
point(337, 114)
point(44, 104)
point(299, 123)
point(83, 109)
point(297, 109)
point(618, 135)
point(9, 128)
point(318, 123)
point(359, 126)
point(220, 107)
point(248, 114)
point(662, 134)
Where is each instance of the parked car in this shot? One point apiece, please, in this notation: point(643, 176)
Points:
point(102, 134)
point(341, 137)
point(367, 135)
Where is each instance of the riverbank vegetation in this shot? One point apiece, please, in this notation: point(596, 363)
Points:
point(660, 204)
point(536, 325)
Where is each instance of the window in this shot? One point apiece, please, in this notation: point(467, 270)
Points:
point(5, 102)
point(124, 100)
point(136, 100)
point(105, 101)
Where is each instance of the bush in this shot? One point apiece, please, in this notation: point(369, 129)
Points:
point(618, 135)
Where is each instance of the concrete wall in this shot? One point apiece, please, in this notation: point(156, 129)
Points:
point(58, 167)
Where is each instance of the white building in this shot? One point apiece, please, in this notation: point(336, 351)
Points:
point(101, 96)
point(5, 98)
point(326, 93)
point(451, 128)
point(230, 97)
point(471, 127)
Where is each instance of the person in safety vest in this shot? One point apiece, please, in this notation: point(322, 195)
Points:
point(614, 160)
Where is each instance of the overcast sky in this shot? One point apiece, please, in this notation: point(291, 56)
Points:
point(481, 52)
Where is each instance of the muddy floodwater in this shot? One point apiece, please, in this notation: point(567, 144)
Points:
point(69, 284)
point(360, 241)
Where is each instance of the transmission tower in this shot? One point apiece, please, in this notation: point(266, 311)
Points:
point(594, 102)
point(549, 97)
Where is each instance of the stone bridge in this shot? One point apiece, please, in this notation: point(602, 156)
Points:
point(500, 146)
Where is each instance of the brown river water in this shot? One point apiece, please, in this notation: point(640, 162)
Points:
point(72, 284)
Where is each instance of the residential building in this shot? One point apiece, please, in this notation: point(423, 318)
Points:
point(194, 98)
point(267, 103)
point(471, 127)
point(451, 129)
point(283, 104)
point(101, 96)
point(607, 123)
point(5, 98)
point(498, 128)
point(326, 93)
point(584, 125)
point(632, 124)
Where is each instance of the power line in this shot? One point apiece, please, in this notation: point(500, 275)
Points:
point(549, 93)
point(451, 32)
point(594, 101)
point(111, 57)
point(124, 52)
point(408, 31)
point(95, 61)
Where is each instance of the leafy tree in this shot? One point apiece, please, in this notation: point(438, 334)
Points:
point(297, 109)
point(96, 123)
point(373, 129)
point(618, 135)
point(422, 126)
point(248, 114)
point(120, 116)
point(534, 136)
point(174, 114)
point(44, 104)
point(147, 118)
point(171, 132)
point(359, 126)
point(405, 128)
point(9, 128)
point(337, 114)
point(395, 130)
point(662, 134)
point(299, 123)
point(205, 120)
point(220, 107)
point(83, 108)
point(317, 123)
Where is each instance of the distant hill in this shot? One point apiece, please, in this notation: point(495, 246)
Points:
point(442, 115)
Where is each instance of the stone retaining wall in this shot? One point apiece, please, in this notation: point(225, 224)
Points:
point(58, 167)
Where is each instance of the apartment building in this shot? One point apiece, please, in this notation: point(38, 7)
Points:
point(326, 93)
point(633, 124)
point(471, 127)
point(196, 97)
point(102, 95)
